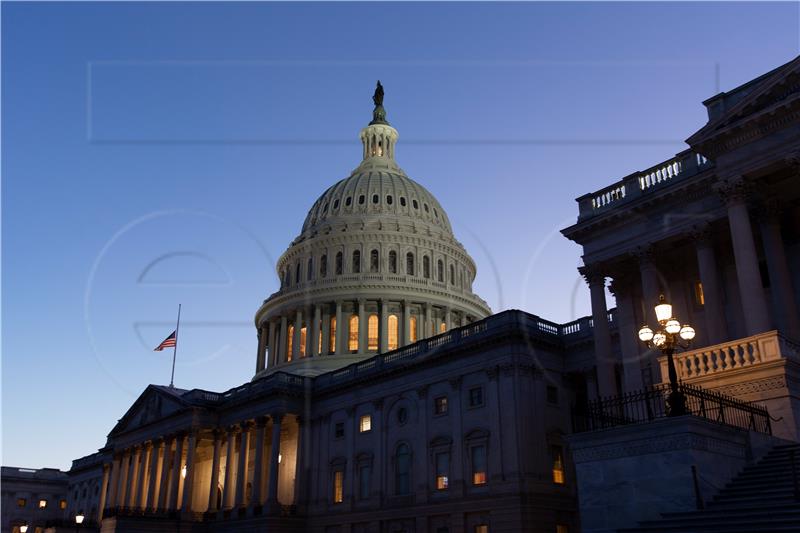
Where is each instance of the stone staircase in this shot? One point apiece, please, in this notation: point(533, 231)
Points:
point(762, 498)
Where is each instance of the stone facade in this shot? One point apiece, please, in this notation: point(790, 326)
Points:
point(33, 497)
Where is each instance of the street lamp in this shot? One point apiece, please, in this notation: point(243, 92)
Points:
point(23, 528)
point(78, 521)
point(667, 338)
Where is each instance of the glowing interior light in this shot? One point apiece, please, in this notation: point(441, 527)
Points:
point(687, 332)
point(663, 310)
point(659, 339)
point(672, 326)
point(645, 334)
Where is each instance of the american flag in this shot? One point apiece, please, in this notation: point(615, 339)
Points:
point(169, 342)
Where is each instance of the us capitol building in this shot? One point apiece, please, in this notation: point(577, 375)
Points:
point(388, 398)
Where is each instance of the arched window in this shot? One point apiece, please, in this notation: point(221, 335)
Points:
point(332, 336)
point(352, 341)
point(412, 327)
point(289, 342)
point(410, 264)
point(303, 338)
point(297, 273)
point(323, 266)
point(339, 263)
point(426, 266)
point(310, 269)
point(393, 327)
point(361, 200)
point(440, 271)
point(393, 262)
point(372, 332)
point(452, 275)
point(375, 199)
point(374, 260)
point(402, 475)
point(403, 201)
point(356, 262)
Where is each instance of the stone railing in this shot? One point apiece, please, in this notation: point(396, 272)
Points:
point(684, 164)
point(732, 355)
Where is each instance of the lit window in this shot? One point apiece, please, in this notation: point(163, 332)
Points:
point(558, 465)
point(481, 528)
point(561, 528)
point(332, 336)
point(289, 342)
point(319, 341)
point(440, 405)
point(412, 334)
point(442, 470)
point(478, 465)
point(365, 424)
point(476, 396)
point(699, 297)
point(21, 502)
point(303, 332)
point(372, 332)
point(42, 504)
point(352, 342)
point(62, 504)
point(393, 328)
point(442, 327)
point(338, 486)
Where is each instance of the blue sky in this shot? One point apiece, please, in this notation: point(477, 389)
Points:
point(163, 153)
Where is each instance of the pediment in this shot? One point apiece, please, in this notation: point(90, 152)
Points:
point(152, 405)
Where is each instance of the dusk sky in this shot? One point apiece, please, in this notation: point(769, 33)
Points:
point(156, 154)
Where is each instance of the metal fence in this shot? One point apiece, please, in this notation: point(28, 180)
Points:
point(651, 403)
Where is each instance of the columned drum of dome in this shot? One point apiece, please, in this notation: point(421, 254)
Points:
point(376, 267)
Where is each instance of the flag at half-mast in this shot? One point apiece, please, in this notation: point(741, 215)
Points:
point(169, 342)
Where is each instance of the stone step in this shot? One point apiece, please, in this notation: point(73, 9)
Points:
point(791, 509)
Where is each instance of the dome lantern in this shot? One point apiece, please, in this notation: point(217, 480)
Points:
point(379, 138)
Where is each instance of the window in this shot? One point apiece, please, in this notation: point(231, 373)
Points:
point(403, 201)
point(402, 481)
point(372, 332)
point(412, 334)
point(393, 262)
point(375, 199)
point(365, 423)
point(297, 273)
point(442, 327)
point(415, 204)
point(62, 504)
point(442, 470)
point(361, 199)
point(319, 340)
point(338, 486)
point(481, 528)
point(356, 262)
point(323, 266)
point(338, 430)
point(440, 271)
point(552, 395)
point(348, 201)
point(42, 504)
point(478, 456)
point(21, 502)
point(336, 204)
point(393, 332)
point(558, 465)
point(310, 270)
point(476, 396)
point(289, 341)
point(374, 261)
point(410, 264)
point(402, 416)
point(303, 332)
point(562, 528)
point(352, 342)
point(389, 200)
point(332, 336)
point(427, 209)
point(452, 275)
point(699, 297)
point(339, 264)
point(426, 266)
point(440, 405)
point(364, 475)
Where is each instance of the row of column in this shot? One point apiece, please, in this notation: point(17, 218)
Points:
point(148, 476)
point(411, 326)
point(757, 318)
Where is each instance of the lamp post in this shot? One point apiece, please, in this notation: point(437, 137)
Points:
point(667, 338)
point(78, 521)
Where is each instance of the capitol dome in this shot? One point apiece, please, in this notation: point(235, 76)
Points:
point(375, 267)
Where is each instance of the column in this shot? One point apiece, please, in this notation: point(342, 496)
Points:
point(115, 475)
point(227, 488)
point(261, 353)
point(214, 482)
point(650, 286)
point(275, 450)
point(339, 329)
point(241, 474)
point(273, 342)
point(428, 322)
point(258, 472)
point(362, 326)
point(604, 362)
point(176, 472)
point(314, 331)
point(447, 319)
point(163, 486)
point(130, 482)
point(406, 329)
point(303, 460)
point(457, 462)
point(281, 356)
point(756, 316)
point(155, 452)
point(713, 310)
point(781, 287)
point(188, 483)
point(298, 323)
point(622, 287)
point(141, 486)
point(103, 490)
point(383, 328)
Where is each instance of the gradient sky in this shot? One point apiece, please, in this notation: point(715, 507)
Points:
point(163, 153)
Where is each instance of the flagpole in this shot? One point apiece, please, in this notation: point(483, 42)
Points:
point(175, 349)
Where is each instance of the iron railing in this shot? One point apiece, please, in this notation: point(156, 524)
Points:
point(651, 403)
